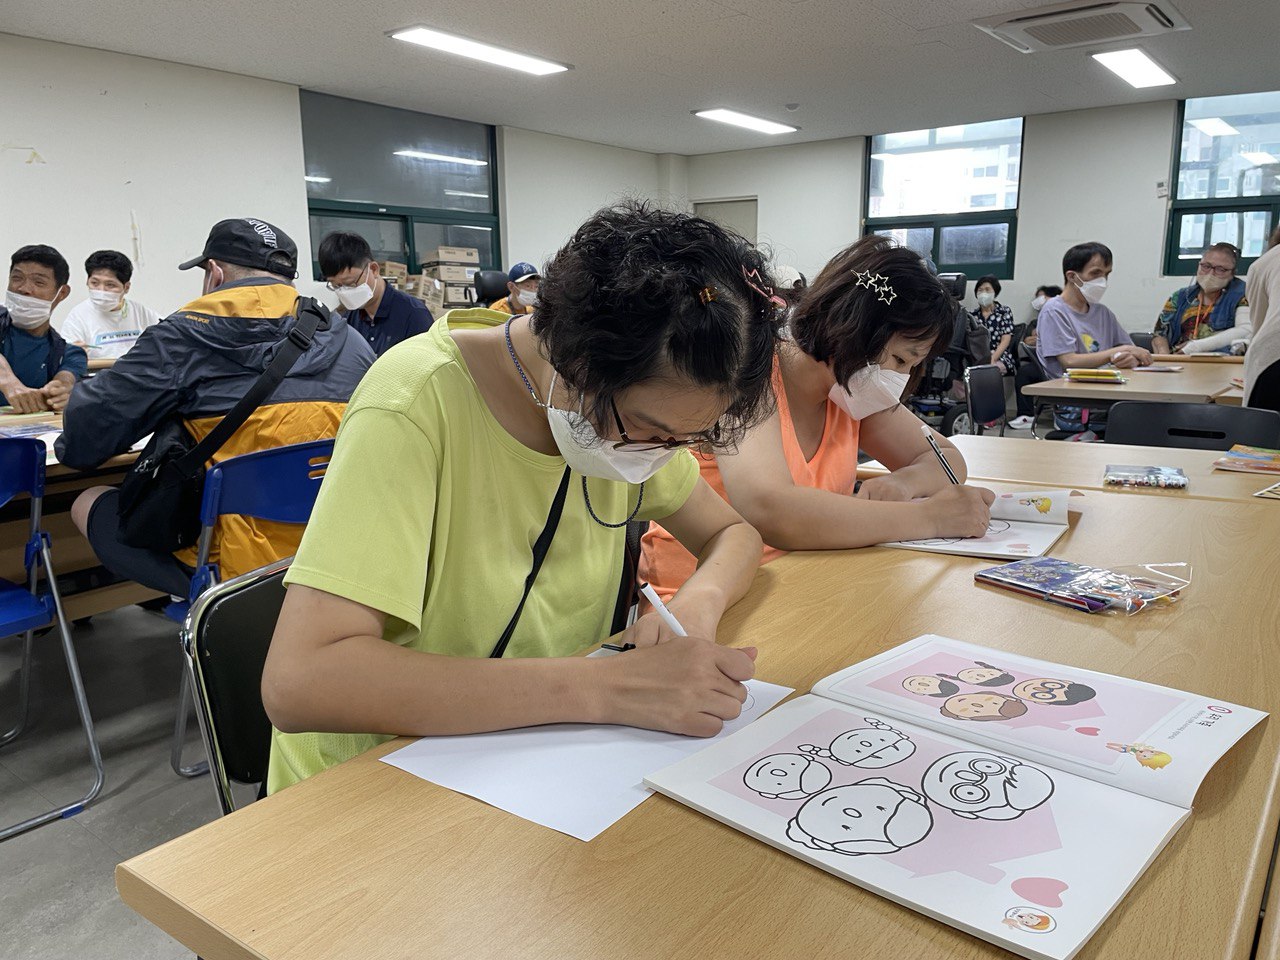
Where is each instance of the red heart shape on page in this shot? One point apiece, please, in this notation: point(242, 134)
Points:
point(1088, 731)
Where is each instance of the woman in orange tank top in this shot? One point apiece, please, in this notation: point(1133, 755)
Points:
point(858, 338)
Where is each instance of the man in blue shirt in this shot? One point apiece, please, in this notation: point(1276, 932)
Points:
point(37, 367)
point(376, 310)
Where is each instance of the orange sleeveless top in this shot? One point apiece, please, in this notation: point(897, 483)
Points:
point(834, 467)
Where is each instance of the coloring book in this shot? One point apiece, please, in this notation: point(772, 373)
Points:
point(1015, 799)
point(1024, 524)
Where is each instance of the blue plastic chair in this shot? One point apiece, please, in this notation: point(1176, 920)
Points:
point(26, 608)
point(280, 485)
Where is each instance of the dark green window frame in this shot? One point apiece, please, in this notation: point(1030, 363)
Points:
point(408, 216)
point(1173, 265)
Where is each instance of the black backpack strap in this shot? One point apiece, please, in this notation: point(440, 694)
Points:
point(540, 548)
point(311, 315)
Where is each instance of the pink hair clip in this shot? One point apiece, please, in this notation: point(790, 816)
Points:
point(756, 283)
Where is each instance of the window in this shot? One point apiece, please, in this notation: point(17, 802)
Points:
point(407, 182)
point(933, 191)
point(1226, 178)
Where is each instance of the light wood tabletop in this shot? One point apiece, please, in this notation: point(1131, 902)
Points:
point(101, 363)
point(1194, 383)
point(1035, 463)
point(365, 860)
point(1196, 358)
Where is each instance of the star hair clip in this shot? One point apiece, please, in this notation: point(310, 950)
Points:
point(876, 282)
point(756, 283)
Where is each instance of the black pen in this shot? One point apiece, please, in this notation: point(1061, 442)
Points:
point(618, 647)
point(937, 452)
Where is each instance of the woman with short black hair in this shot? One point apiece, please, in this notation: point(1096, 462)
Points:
point(998, 319)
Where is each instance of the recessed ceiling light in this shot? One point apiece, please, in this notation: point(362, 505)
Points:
point(1214, 127)
point(1258, 158)
point(474, 50)
point(1135, 68)
point(419, 155)
point(318, 179)
point(745, 120)
point(464, 193)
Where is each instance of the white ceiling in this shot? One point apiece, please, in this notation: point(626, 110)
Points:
point(641, 66)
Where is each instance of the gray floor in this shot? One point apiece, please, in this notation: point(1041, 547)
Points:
point(57, 892)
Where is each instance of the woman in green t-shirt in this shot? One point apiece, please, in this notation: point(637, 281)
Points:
point(654, 333)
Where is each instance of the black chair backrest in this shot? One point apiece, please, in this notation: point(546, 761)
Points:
point(1142, 340)
point(954, 283)
point(984, 384)
point(491, 286)
point(1265, 394)
point(1199, 426)
point(228, 633)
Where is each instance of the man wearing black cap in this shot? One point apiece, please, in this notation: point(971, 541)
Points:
point(194, 366)
point(522, 290)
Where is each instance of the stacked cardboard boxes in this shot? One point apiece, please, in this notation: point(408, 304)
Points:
point(455, 267)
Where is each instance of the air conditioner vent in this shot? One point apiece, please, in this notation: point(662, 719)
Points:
point(1077, 25)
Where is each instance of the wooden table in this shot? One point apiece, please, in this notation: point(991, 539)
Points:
point(367, 861)
point(1196, 358)
point(93, 590)
point(1036, 463)
point(102, 363)
point(1195, 383)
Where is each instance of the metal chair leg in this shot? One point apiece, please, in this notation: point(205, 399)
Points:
point(86, 720)
point(24, 689)
point(185, 703)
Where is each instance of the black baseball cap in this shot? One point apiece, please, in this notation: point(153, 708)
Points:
point(247, 242)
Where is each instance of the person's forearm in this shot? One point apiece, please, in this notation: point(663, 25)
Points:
point(924, 476)
point(7, 375)
point(1001, 347)
point(1160, 345)
point(726, 567)
point(805, 518)
point(368, 685)
point(1086, 360)
point(65, 376)
point(1216, 341)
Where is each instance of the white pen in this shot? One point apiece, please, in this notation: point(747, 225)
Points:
point(660, 608)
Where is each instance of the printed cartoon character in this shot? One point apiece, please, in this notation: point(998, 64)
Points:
point(878, 745)
point(982, 706)
point(1053, 693)
point(1028, 919)
point(983, 786)
point(1147, 755)
point(981, 675)
point(787, 776)
point(930, 686)
point(873, 816)
point(1042, 504)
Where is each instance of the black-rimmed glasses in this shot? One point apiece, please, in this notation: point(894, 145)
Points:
point(711, 437)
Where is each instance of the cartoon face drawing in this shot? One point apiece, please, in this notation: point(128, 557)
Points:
point(983, 786)
point(928, 685)
point(982, 675)
point(872, 747)
point(1029, 919)
point(787, 776)
point(1042, 504)
point(1050, 692)
point(873, 816)
point(983, 706)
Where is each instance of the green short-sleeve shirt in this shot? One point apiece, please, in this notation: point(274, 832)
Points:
point(428, 513)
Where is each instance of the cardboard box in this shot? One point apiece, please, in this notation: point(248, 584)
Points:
point(399, 272)
point(449, 272)
point(456, 294)
point(454, 254)
point(431, 292)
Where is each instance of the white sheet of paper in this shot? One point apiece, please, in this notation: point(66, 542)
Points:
point(575, 778)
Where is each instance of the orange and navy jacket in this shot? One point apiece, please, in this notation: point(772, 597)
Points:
point(196, 364)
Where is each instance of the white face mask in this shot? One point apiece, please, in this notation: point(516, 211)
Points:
point(587, 454)
point(105, 300)
point(27, 312)
point(870, 390)
point(355, 296)
point(986, 299)
point(1092, 290)
point(1038, 302)
point(1211, 282)
point(529, 298)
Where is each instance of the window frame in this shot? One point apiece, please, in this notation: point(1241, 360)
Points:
point(408, 216)
point(999, 268)
point(1174, 266)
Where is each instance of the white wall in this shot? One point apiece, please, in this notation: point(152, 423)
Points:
point(142, 157)
point(1091, 175)
point(809, 195)
point(549, 185)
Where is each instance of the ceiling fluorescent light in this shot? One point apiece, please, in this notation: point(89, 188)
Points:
point(463, 226)
point(745, 120)
point(419, 155)
point(1214, 127)
point(464, 193)
point(318, 179)
point(1135, 68)
point(473, 50)
point(1258, 158)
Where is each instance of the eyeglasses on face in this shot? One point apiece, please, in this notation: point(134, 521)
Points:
point(711, 437)
point(1206, 267)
